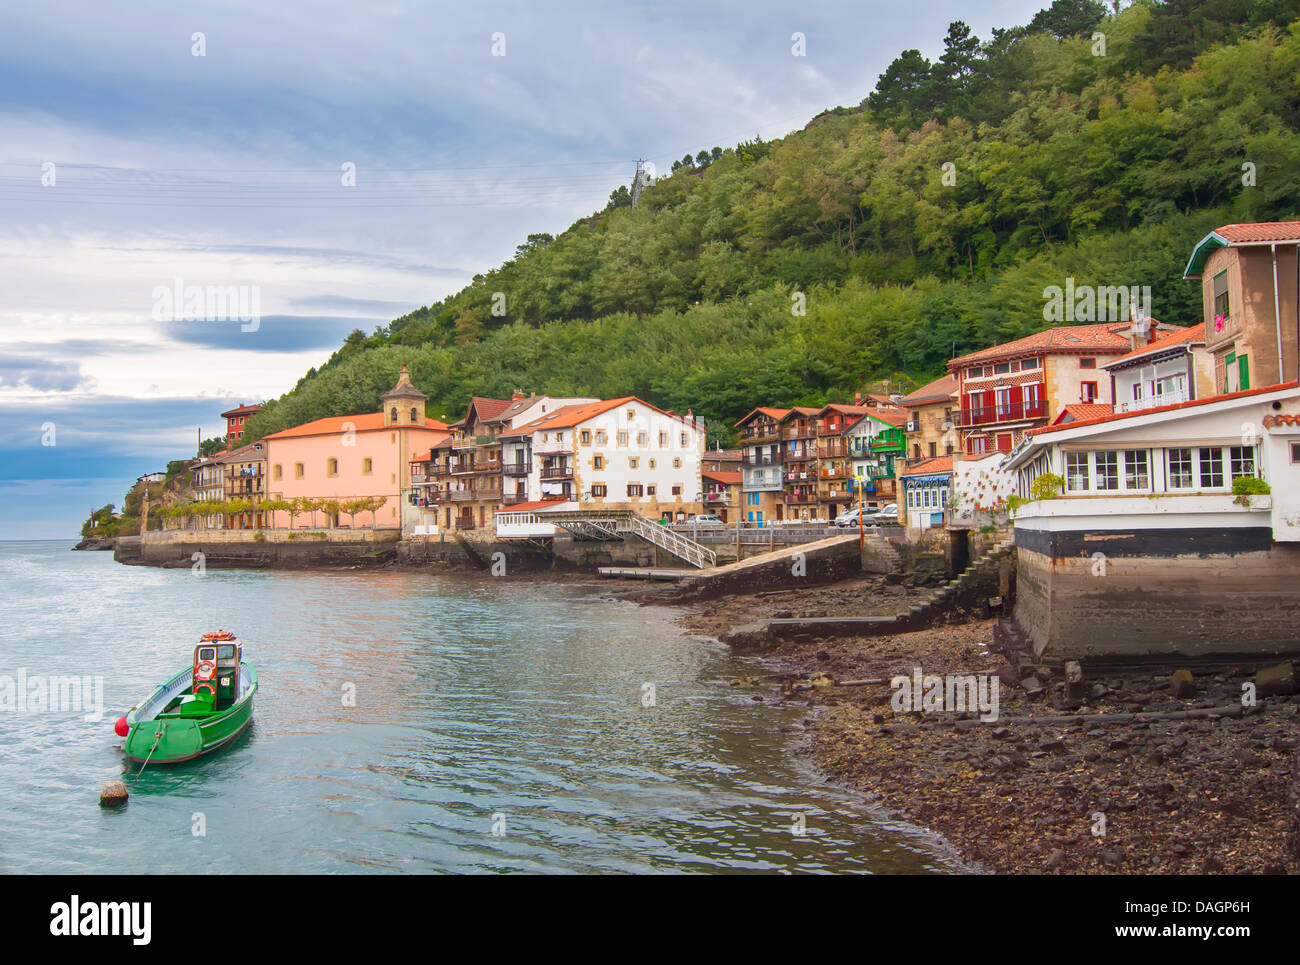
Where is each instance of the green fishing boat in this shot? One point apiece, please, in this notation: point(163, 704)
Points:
point(201, 709)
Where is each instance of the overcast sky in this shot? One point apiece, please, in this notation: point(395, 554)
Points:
point(129, 164)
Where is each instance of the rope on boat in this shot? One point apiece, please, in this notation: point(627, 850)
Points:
point(157, 736)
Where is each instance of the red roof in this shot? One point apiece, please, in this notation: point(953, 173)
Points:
point(240, 409)
point(369, 422)
point(931, 466)
point(1082, 412)
point(1104, 337)
point(529, 507)
point(940, 390)
point(895, 419)
point(726, 478)
point(1193, 333)
point(568, 416)
point(777, 414)
point(1260, 231)
point(1117, 416)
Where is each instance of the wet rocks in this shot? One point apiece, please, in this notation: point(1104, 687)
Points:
point(1182, 685)
point(1275, 680)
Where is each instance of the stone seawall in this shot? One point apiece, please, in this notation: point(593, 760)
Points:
point(1189, 593)
point(235, 549)
point(343, 548)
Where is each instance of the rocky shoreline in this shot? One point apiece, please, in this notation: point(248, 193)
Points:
point(1132, 772)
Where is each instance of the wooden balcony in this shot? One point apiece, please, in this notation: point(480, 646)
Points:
point(1010, 412)
point(515, 469)
point(557, 472)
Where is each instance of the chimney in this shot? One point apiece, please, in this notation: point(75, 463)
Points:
point(857, 398)
point(1140, 333)
point(517, 395)
point(690, 417)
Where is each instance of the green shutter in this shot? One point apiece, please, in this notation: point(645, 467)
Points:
point(1243, 366)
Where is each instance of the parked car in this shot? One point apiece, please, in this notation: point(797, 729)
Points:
point(887, 515)
point(848, 518)
point(706, 519)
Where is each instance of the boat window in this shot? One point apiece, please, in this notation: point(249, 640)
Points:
point(226, 651)
point(207, 653)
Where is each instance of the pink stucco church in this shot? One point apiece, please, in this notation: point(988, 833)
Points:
point(354, 456)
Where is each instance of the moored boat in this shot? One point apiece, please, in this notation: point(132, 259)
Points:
point(199, 710)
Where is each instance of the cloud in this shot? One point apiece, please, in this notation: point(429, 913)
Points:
point(273, 333)
point(42, 375)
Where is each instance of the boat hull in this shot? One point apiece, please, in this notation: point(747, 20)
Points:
point(172, 738)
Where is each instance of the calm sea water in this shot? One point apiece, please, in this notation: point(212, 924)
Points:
point(500, 705)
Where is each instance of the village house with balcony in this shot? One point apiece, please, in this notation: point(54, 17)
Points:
point(722, 492)
point(801, 495)
point(353, 456)
point(931, 426)
point(1009, 389)
point(1250, 301)
point(1174, 368)
point(762, 484)
point(481, 467)
point(616, 453)
point(244, 478)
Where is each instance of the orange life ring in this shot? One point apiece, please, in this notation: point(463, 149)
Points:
point(205, 670)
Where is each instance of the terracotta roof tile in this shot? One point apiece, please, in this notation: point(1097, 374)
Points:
point(1082, 412)
point(368, 422)
point(1185, 336)
point(1101, 337)
point(1117, 416)
point(931, 466)
point(768, 411)
point(726, 478)
point(939, 390)
point(1260, 231)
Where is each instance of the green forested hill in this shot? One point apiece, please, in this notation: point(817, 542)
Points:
point(926, 221)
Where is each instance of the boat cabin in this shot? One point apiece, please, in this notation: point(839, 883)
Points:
point(215, 677)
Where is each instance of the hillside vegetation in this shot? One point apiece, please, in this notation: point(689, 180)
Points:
point(924, 222)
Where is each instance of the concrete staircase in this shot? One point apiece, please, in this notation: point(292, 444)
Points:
point(933, 605)
point(938, 600)
point(885, 548)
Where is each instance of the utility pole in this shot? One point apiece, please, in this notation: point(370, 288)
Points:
point(638, 180)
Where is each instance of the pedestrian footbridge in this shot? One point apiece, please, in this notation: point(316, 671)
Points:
point(608, 524)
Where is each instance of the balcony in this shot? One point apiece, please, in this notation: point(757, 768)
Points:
point(1009, 412)
point(716, 499)
point(514, 469)
point(832, 449)
point(830, 428)
point(800, 432)
point(838, 471)
point(462, 495)
point(469, 442)
point(438, 469)
point(888, 439)
point(757, 435)
point(1150, 402)
point(800, 498)
point(757, 460)
point(557, 472)
point(465, 522)
point(799, 474)
point(510, 499)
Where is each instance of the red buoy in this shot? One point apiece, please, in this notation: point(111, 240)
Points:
point(122, 727)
